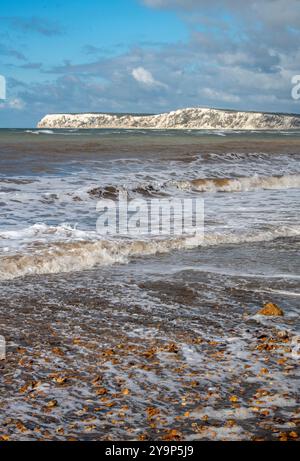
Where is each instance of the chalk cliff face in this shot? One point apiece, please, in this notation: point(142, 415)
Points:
point(181, 119)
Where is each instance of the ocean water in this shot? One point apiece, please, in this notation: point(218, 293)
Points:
point(65, 287)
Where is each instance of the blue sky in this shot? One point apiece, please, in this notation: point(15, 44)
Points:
point(146, 56)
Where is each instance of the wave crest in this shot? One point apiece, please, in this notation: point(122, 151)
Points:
point(241, 184)
point(83, 255)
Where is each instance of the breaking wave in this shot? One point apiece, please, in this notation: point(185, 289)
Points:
point(42, 231)
point(157, 189)
point(241, 184)
point(37, 132)
point(70, 256)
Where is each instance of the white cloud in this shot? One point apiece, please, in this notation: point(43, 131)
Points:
point(144, 76)
point(273, 13)
point(242, 60)
point(217, 96)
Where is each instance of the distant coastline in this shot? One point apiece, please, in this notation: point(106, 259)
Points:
point(191, 118)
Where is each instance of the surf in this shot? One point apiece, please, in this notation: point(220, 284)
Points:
point(242, 184)
point(83, 254)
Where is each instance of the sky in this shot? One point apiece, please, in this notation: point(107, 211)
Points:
point(146, 56)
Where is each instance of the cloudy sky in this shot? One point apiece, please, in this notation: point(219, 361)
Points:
point(146, 56)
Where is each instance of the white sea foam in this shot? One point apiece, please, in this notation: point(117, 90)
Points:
point(42, 230)
point(279, 292)
point(37, 132)
point(241, 184)
point(82, 254)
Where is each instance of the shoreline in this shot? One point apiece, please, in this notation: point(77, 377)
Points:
point(169, 346)
point(205, 371)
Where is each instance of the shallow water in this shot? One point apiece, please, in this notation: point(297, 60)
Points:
point(186, 340)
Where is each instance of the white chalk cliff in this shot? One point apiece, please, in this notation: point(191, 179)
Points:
point(197, 118)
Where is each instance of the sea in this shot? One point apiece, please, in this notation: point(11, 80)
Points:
point(149, 336)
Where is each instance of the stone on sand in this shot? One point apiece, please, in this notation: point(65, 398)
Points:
point(271, 310)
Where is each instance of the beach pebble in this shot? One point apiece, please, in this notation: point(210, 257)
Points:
point(271, 310)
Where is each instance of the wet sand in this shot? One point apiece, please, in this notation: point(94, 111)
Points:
point(120, 354)
point(163, 347)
